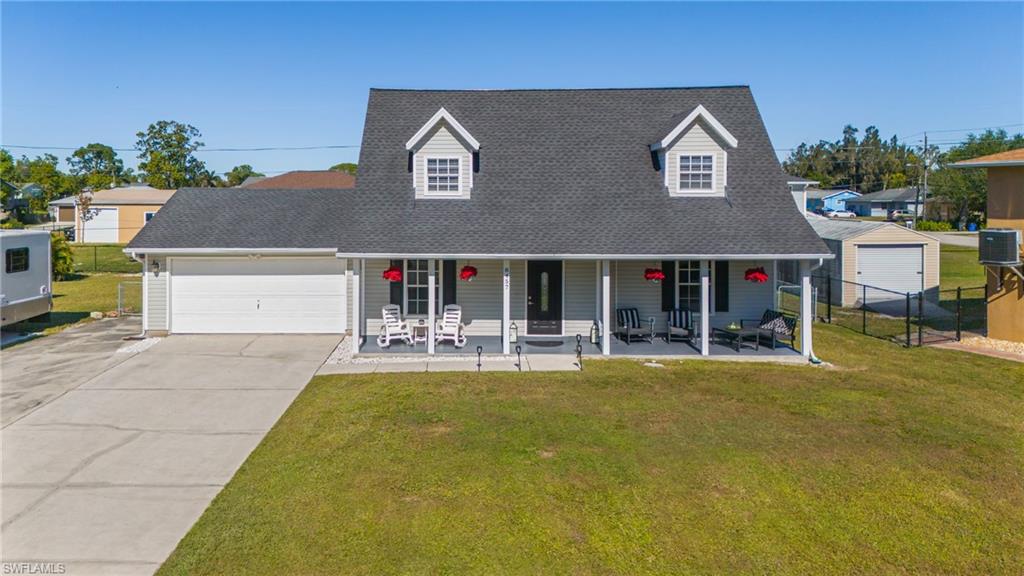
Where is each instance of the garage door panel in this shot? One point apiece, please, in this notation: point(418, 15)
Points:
point(101, 226)
point(890, 267)
point(267, 295)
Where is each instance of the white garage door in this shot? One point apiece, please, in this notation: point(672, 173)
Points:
point(101, 225)
point(257, 296)
point(896, 267)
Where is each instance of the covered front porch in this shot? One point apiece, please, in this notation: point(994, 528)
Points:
point(541, 306)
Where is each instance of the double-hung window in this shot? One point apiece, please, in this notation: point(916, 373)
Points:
point(689, 284)
point(696, 173)
point(417, 277)
point(443, 175)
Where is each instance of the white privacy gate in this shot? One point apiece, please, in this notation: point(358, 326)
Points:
point(304, 295)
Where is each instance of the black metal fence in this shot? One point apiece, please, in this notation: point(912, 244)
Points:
point(907, 318)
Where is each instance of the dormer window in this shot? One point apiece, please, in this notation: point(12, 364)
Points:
point(696, 173)
point(443, 176)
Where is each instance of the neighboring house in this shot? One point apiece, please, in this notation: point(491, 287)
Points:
point(18, 199)
point(1005, 209)
point(881, 202)
point(250, 180)
point(304, 179)
point(26, 276)
point(829, 199)
point(798, 187)
point(877, 261)
point(114, 215)
point(558, 200)
point(62, 210)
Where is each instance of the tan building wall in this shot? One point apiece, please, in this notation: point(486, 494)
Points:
point(1006, 210)
point(130, 219)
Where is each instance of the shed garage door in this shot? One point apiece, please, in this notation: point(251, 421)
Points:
point(257, 296)
point(100, 225)
point(895, 267)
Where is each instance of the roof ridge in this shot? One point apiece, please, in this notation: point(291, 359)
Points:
point(591, 89)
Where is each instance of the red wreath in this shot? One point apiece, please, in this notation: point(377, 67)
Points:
point(654, 275)
point(757, 275)
point(467, 273)
point(393, 274)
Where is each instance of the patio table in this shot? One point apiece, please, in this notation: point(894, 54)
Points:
point(737, 336)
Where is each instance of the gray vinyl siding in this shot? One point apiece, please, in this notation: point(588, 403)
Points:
point(630, 290)
point(747, 300)
point(580, 287)
point(695, 140)
point(481, 298)
point(441, 142)
point(376, 293)
point(156, 294)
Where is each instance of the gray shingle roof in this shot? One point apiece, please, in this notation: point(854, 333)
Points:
point(892, 195)
point(561, 172)
point(841, 229)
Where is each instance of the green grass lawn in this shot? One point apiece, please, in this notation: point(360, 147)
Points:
point(91, 258)
point(959, 266)
point(897, 461)
point(74, 299)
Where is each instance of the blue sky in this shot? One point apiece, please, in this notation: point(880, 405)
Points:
point(269, 74)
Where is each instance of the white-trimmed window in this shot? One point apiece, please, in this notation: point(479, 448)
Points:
point(147, 216)
point(688, 285)
point(696, 173)
point(417, 288)
point(443, 176)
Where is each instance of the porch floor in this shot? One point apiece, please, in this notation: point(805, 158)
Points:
point(536, 345)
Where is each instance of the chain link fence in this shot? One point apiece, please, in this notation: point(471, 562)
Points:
point(129, 298)
point(104, 258)
point(906, 318)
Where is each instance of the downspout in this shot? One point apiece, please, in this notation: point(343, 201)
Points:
point(141, 335)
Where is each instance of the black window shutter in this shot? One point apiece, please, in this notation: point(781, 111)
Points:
point(449, 279)
point(668, 286)
point(397, 287)
point(721, 285)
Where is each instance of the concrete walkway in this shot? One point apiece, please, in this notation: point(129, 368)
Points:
point(107, 477)
point(965, 239)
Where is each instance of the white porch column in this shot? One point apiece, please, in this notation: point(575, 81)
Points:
point(506, 305)
point(705, 307)
point(357, 308)
point(806, 309)
point(431, 303)
point(597, 290)
point(606, 307)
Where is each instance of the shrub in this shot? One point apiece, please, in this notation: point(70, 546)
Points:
point(12, 223)
point(61, 256)
point(933, 226)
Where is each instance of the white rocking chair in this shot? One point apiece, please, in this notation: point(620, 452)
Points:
point(394, 327)
point(450, 327)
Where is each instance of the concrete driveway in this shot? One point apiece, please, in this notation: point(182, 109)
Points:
point(108, 476)
point(965, 239)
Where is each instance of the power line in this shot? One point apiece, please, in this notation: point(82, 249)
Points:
point(200, 150)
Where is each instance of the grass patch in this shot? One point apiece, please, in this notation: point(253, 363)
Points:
point(898, 461)
point(76, 297)
point(91, 258)
point(959, 267)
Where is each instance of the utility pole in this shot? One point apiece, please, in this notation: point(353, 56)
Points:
point(918, 208)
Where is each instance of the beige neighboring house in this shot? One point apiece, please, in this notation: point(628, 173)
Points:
point(114, 216)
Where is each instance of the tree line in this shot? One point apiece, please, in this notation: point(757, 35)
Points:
point(870, 163)
point(167, 159)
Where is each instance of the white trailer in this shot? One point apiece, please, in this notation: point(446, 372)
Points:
point(27, 275)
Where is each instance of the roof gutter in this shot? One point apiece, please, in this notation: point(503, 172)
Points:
point(465, 256)
point(232, 251)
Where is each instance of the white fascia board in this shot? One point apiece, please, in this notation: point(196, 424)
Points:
point(990, 164)
point(232, 251)
point(442, 114)
point(445, 256)
point(698, 112)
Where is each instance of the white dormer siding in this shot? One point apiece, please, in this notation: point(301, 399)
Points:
point(697, 140)
point(441, 143)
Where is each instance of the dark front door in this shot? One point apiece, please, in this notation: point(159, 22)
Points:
point(544, 297)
